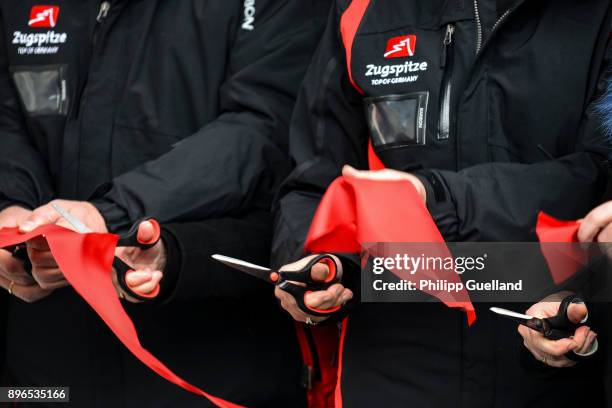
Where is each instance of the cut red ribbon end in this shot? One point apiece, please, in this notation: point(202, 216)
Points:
point(86, 262)
point(558, 243)
point(354, 212)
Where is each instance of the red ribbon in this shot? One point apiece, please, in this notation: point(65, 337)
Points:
point(550, 229)
point(559, 246)
point(355, 212)
point(86, 262)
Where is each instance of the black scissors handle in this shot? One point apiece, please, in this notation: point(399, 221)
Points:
point(130, 238)
point(122, 270)
point(20, 252)
point(304, 276)
point(560, 326)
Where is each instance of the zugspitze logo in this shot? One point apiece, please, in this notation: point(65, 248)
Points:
point(43, 16)
point(402, 46)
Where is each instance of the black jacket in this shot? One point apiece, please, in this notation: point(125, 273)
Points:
point(499, 125)
point(174, 109)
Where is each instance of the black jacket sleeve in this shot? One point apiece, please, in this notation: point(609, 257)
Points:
point(237, 161)
point(501, 201)
point(328, 130)
point(25, 179)
point(191, 274)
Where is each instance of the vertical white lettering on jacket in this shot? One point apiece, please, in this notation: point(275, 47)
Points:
point(249, 15)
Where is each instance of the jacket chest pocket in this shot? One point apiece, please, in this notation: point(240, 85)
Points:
point(397, 120)
point(408, 85)
point(42, 89)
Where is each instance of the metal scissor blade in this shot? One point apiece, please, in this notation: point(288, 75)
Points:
point(517, 317)
point(72, 220)
point(534, 323)
point(257, 271)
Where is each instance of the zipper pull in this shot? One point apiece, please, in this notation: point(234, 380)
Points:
point(448, 40)
point(104, 9)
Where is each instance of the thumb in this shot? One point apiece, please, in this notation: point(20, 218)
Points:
point(146, 232)
point(349, 171)
point(149, 287)
point(576, 312)
point(41, 216)
point(319, 272)
point(137, 278)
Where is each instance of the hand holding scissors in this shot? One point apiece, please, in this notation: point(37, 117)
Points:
point(563, 337)
point(298, 282)
point(130, 239)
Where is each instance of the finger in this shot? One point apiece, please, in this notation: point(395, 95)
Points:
point(52, 281)
point(536, 353)
point(319, 272)
point(49, 278)
point(324, 299)
point(146, 232)
point(41, 259)
point(534, 340)
point(289, 304)
point(576, 312)
point(12, 269)
point(594, 222)
point(333, 297)
point(588, 344)
point(346, 296)
point(605, 236)
point(580, 337)
point(554, 348)
point(40, 216)
point(39, 243)
point(137, 278)
point(559, 362)
point(120, 293)
point(150, 286)
point(27, 293)
point(350, 171)
point(523, 331)
point(335, 302)
point(548, 360)
point(31, 293)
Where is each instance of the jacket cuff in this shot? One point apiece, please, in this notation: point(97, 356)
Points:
point(174, 261)
point(440, 204)
point(116, 218)
point(6, 203)
point(351, 268)
point(183, 286)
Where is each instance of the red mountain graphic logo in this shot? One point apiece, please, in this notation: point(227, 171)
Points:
point(402, 46)
point(43, 16)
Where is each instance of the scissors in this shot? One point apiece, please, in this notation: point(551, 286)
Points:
point(553, 328)
point(20, 252)
point(129, 239)
point(282, 279)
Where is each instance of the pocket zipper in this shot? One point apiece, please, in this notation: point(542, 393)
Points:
point(446, 63)
point(103, 11)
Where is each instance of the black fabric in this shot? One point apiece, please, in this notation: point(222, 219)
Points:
point(194, 243)
point(532, 87)
point(172, 268)
point(3, 375)
point(228, 322)
point(175, 110)
point(504, 5)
